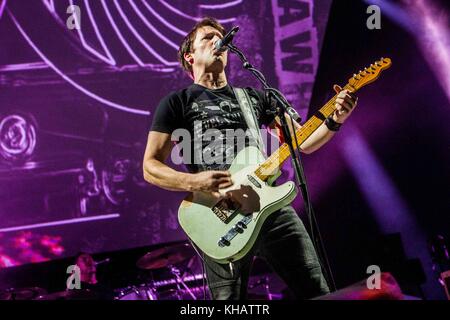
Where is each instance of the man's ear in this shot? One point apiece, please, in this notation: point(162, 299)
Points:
point(189, 58)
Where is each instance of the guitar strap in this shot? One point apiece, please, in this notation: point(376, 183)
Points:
point(249, 116)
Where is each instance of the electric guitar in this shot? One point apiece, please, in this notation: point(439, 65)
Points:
point(226, 229)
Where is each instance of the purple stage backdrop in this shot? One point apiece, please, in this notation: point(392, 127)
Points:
point(79, 81)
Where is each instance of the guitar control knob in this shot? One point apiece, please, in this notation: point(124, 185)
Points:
point(238, 228)
point(223, 242)
point(241, 225)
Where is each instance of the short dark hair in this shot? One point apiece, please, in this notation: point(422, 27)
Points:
point(186, 45)
point(79, 254)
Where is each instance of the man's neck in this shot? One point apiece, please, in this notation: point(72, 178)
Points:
point(211, 80)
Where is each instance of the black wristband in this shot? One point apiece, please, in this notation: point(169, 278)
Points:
point(332, 125)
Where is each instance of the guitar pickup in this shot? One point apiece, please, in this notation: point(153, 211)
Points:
point(253, 180)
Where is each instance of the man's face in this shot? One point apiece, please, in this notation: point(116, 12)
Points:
point(204, 55)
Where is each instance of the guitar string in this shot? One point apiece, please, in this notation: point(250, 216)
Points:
point(328, 108)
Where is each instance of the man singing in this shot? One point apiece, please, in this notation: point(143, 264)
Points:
point(210, 103)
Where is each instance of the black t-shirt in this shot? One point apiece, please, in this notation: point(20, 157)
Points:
point(212, 119)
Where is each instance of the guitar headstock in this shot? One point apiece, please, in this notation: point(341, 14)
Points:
point(369, 74)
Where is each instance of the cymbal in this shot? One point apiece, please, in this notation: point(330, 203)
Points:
point(21, 293)
point(75, 294)
point(165, 256)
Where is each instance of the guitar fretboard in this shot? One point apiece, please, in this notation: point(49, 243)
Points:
point(271, 165)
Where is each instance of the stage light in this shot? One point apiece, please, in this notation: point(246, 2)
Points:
point(433, 37)
point(2, 7)
point(428, 23)
point(390, 210)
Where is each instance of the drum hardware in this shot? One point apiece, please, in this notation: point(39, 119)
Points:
point(162, 283)
point(142, 292)
point(21, 293)
point(75, 294)
point(167, 258)
point(179, 281)
point(441, 261)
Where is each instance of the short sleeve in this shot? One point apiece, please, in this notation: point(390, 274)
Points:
point(168, 115)
point(261, 105)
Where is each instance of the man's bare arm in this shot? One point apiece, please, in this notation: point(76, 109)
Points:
point(157, 172)
point(345, 104)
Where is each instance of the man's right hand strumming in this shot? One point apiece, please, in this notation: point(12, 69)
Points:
point(210, 181)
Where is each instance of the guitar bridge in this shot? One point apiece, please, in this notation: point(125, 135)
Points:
point(225, 210)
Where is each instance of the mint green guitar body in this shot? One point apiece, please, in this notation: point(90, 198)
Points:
point(223, 232)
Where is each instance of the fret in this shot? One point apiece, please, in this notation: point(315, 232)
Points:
point(271, 165)
point(368, 75)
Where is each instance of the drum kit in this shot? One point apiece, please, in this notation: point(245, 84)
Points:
point(22, 293)
point(182, 285)
point(175, 288)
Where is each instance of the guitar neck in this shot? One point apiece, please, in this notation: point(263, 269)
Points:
point(274, 162)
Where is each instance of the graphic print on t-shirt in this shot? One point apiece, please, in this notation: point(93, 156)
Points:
point(218, 130)
point(214, 120)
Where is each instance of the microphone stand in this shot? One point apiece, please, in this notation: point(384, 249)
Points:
point(281, 108)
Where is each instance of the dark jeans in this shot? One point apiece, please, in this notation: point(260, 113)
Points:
point(287, 247)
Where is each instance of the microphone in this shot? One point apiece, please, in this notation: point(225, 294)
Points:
point(288, 108)
point(102, 261)
point(293, 113)
point(222, 44)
